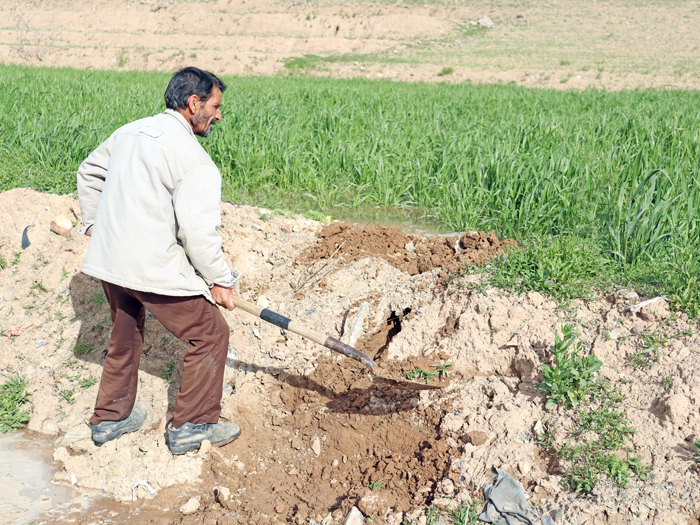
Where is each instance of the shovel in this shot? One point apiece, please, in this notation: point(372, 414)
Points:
point(329, 342)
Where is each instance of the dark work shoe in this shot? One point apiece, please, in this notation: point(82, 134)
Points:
point(190, 436)
point(109, 430)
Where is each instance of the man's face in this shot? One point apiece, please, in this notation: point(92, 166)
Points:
point(208, 114)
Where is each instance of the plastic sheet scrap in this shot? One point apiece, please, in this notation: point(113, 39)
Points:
point(506, 503)
point(144, 484)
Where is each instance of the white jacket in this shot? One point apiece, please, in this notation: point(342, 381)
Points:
point(151, 195)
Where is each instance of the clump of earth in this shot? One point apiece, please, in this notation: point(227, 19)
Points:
point(319, 435)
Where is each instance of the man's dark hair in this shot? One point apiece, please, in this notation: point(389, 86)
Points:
point(190, 81)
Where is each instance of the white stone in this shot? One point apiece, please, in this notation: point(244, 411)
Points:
point(316, 446)
point(190, 507)
point(354, 517)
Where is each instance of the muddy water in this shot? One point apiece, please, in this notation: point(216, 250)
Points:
point(26, 492)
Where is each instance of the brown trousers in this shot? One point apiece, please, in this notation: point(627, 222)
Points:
point(192, 319)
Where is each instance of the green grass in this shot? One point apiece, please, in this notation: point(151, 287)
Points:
point(12, 397)
point(611, 178)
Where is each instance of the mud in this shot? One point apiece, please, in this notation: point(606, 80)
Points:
point(318, 435)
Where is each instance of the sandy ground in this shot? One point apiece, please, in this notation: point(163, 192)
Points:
point(559, 44)
point(316, 430)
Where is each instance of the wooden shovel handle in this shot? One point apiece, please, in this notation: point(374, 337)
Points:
point(295, 326)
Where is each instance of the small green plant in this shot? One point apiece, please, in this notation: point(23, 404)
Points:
point(68, 395)
point(442, 369)
point(696, 454)
point(122, 58)
point(667, 382)
point(87, 382)
point(98, 299)
point(16, 257)
point(39, 286)
point(376, 485)
point(82, 348)
point(564, 62)
point(12, 397)
point(650, 353)
point(166, 374)
point(445, 71)
point(419, 373)
point(3, 263)
point(64, 275)
point(572, 375)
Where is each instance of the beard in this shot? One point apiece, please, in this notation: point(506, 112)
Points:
point(207, 130)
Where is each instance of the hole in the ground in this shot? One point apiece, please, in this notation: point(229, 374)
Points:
point(375, 345)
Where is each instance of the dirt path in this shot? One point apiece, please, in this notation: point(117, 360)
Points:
point(316, 433)
point(562, 44)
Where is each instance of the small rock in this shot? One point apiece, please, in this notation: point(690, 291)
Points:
point(256, 227)
point(409, 247)
point(204, 448)
point(286, 229)
point(41, 343)
point(477, 437)
point(614, 335)
point(296, 443)
point(334, 463)
point(316, 446)
point(217, 57)
point(485, 21)
point(628, 295)
point(61, 225)
point(263, 301)
point(256, 333)
point(524, 468)
point(521, 17)
point(481, 308)
point(637, 329)
point(147, 444)
point(354, 517)
point(373, 503)
point(222, 493)
point(446, 487)
point(190, 507)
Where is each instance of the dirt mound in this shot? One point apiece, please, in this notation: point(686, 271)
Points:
point(410, 253)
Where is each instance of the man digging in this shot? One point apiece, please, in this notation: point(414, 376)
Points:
point(149, 197)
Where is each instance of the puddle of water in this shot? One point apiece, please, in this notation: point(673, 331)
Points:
point(26, 492)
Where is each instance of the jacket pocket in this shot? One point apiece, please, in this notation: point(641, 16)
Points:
point(186, 268)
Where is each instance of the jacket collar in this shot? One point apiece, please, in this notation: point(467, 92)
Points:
point(180, 119)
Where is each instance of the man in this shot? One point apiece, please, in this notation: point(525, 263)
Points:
point(149, 197)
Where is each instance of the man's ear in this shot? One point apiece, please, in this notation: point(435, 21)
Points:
point(193, 103)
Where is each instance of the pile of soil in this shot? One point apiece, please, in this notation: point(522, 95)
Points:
point(410, 253)
point(319, 436)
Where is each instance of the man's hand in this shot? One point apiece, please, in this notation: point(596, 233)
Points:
point(222, 296)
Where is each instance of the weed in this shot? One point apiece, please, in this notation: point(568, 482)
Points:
point(16, 257)
point(98, 299)
point(445, 71)
point(419, 373)
point(87, 382)
point(650, 353)
point(64, 275)
point(38, 285)
point(82, 348)
point(606, 429)
point(569, 381)
point(376, 485)
point(696, 454)
point(166, 374)
point(3, 263)
point(667, 382)
point(59, 315)
point(12, 397)
point(442, 369)
point(68, 395)
point(122, 58)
